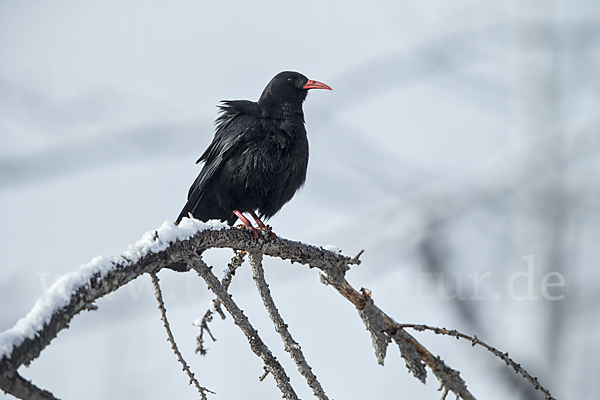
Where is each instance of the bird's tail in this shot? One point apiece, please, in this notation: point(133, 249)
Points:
point(184, 213)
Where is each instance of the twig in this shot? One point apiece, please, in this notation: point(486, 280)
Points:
point(235, 263)
point(264, 375)
point(475, 341)
point(163, 315)
point(290, 345)
point(208, 317)
point(256, 344)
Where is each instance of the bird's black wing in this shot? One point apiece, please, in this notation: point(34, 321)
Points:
point(237, 118)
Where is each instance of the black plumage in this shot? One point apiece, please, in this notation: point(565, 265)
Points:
point(258, 157)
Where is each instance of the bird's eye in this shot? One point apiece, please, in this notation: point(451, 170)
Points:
point(291, 80)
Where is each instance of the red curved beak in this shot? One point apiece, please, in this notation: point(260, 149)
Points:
point(315, 85)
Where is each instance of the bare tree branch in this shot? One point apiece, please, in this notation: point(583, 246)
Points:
point(290, 345)
point(189, 251)
point(163, 316)
point(123, 272)
point(256, 344)
point(16, 385)
point(475, 341)
point(235, 263)
point(448, 377)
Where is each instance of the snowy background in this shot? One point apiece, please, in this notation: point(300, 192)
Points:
point(460, 143)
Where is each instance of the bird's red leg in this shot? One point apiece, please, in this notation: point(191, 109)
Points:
point(247, 223)
point(261, 225)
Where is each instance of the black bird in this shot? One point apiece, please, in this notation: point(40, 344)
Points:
point(258, 157)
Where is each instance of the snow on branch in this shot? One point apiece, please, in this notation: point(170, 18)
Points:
point(78, 290)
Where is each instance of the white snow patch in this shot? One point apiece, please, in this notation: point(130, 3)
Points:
point(212, 307)
point(59, 294)
point(333, 249)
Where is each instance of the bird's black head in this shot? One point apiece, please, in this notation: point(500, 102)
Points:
point(286, 92)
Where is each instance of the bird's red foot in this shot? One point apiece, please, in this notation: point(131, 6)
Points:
point(247, 224)
point(262, 227)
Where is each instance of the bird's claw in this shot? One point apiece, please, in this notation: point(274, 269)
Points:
point(269, 231)
point(262, 228)
point(255, 232)
point(264, 231)
point(260, 232)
